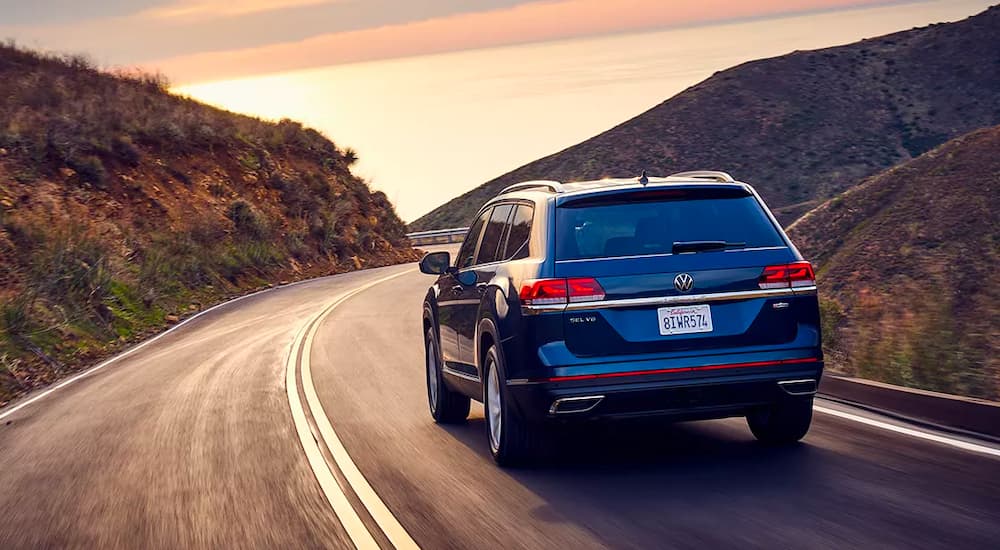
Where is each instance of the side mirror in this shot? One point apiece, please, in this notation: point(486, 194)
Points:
point(435, 263)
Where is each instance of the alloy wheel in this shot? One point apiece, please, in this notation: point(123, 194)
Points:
point(494, 406)
point(432, 374)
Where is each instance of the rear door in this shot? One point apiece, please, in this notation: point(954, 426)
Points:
point(652, 250)
point(483, 269)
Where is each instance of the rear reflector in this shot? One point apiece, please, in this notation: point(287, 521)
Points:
point(561, 291)
point(795, 274)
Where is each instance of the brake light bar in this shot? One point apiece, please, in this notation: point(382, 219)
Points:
point(793, 275)
point(725, 366)
point(561, 291)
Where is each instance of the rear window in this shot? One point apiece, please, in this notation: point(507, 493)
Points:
point(590, 229)
point(494, 232)
point(520, 231)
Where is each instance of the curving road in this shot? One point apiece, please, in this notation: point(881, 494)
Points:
point(296, 418)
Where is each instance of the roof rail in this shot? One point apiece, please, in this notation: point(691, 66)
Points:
point(720, 177)
point(553, 186)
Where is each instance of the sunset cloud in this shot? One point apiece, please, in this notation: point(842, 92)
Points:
point(131, 32)
point(530, 22)
point(196, 40)
point(224, 8)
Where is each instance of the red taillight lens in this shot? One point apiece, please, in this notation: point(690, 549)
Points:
point(795, 274)
point(561, 291)
point(774, 276)
point(801, 274)
point(544, 291)
point(585, 290)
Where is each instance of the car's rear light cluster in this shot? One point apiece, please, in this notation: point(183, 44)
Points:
point(561, 291)
point(793, 275)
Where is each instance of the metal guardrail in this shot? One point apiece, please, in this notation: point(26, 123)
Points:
point(963, 414)
point(438, 236)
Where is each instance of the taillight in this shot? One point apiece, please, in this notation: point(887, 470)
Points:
point(544, 291)
point(801, 274)
point(585, 290)
point(795, 274)
point(561, 291)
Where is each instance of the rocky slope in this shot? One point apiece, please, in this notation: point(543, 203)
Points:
point(907, 266)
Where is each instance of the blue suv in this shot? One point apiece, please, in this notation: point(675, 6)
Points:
point(678, 297)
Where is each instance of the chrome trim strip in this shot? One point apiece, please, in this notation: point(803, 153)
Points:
point(460, 374)
point(519, 382)
point(448, 303)
point(671, 300)
point(665, 254)
point(554, 409)
point(803, 381)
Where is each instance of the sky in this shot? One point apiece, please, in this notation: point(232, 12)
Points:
point(197, 40)
point(439, 96)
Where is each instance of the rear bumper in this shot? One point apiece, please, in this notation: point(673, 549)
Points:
point(685, 393)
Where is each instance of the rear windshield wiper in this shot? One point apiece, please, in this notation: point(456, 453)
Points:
point(703, 246)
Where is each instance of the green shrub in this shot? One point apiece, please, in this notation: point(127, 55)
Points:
point(247, 220)
point(296, 243)
point(72, 268)
point(14, 315)
point(90, 169)
point(126, 151)
point(156, 273)
point(831, 315)
point(249, 161)
point(129, 312)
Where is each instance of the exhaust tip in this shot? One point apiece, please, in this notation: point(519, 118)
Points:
point(799, 387)
point(570, 405)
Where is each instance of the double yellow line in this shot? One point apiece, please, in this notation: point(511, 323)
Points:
point(299, 359)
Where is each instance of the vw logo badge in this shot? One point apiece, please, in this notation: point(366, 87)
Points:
point(683, 282)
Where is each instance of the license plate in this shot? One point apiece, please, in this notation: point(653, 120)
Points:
point(684, 319)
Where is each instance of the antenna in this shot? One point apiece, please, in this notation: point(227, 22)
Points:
point(643, 179)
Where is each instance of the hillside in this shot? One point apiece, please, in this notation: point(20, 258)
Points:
point(124, 208)
point(801, 127)
point(908, 270)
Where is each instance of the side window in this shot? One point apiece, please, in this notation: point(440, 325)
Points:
point(493, 234)
point(467, 254)
point(520, 232)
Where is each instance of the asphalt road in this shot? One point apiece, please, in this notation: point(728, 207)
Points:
point(203, 439)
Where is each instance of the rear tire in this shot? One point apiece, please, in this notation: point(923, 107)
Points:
point(782, 423)
point(447, 406)
point(513, 441)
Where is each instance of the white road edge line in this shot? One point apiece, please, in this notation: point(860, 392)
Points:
point(138, 347)
point(957, 443)
point(386, 521)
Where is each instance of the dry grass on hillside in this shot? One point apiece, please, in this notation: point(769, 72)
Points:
point(907, 269)
point(123, 208)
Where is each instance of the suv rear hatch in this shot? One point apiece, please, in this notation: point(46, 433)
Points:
point(681, 268)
